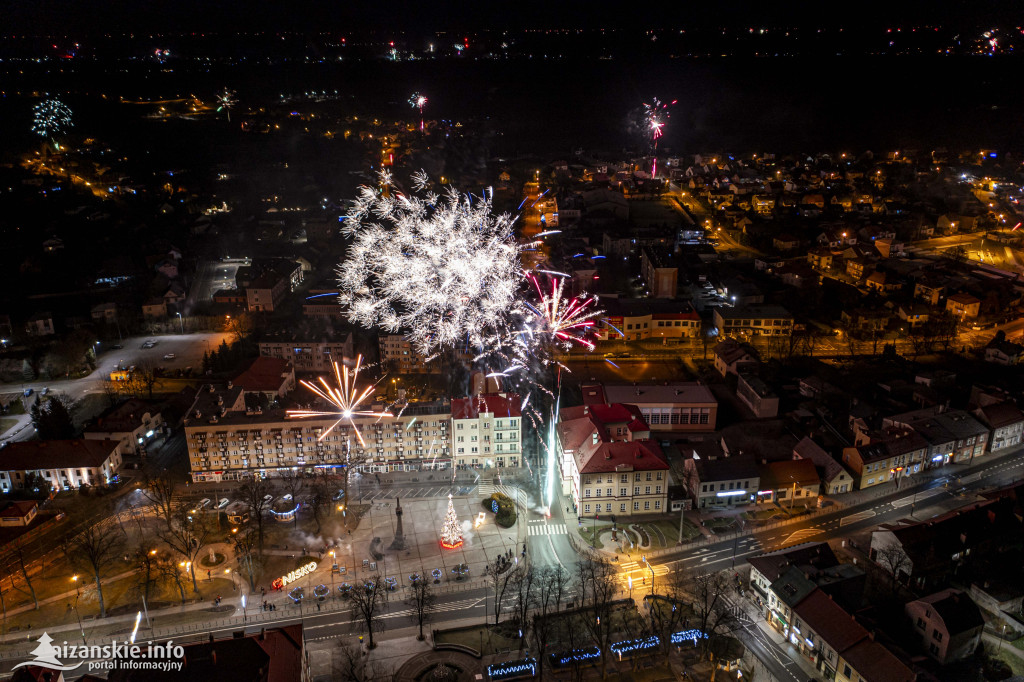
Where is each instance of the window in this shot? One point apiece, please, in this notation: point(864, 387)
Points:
point(586, 509)
point(936, 635)
point(622, 507)
point(598, 493)
point(648, 475)
point(647, 490)
point(586, 493)
point(598, 479)
point(920, 623)
point(622, 492)
point(608, 492)
point(704, 488)
point(933, 647)
point(657, 489)
point(659, 475)
point(636, 490)
point(636, 506)
point(657, 504)
point(846, 671)
point(608, 507)
point(647, 505)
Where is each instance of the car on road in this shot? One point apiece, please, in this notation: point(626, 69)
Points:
point(28, 391)
point(45, 390)
point(169, 356)
point(223, 503)
point(268, 498)
point(203, 503)
point(151, 343)
point(287, 498)
point(339, 495)
point(116, 346)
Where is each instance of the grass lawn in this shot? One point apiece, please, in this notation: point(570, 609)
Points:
point(763, 514)
point(658, 673)
point(1015, 663)
point(475, 636)
point(7, 423)
point(1018, 643)
point(718, 525)
point(586, 532)
point(670, 529)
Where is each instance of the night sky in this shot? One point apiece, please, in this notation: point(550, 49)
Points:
point(77, 16)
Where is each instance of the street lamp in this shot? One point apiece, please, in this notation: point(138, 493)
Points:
point(78, 591)
point(181, 323)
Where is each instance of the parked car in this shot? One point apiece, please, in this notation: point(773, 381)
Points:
point(28, 392)
point(203, 503)
point(287, 498)
point(268, 498)
point(45, 390)
point(169, 356)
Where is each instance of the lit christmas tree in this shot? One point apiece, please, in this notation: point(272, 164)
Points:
point(451, 534)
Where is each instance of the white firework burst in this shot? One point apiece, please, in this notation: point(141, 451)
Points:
point(51, 117)
point(443, 269)
point(345, 396)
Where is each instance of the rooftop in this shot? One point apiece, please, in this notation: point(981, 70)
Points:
point(959, 613)
point(265, 374)
point(815, 555)
point(125, 417)
point(55, 454)
point(874, 662)
point(832, 623)
point(755, 312)
point(640, 394)
point(498, 404)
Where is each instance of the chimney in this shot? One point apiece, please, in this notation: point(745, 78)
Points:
point(198, 414)
point(230, 385)
point(593, 439)
point(220, 400)
point(210, 389)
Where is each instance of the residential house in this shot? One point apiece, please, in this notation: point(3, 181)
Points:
point(913, 314)
point(999, 595)
point(820, 259)
point(792, 480)
point(608, 462)
point(18, 513)
point(154, 308)
point(952, 435)
point(757, 395)
point(59, 464)
point(40, 324)
point(104, 312)
point(487, 431)
point(721, 481)
point(865, 319)
point(755, 320)
point(731, 356)
point(1005, 422)
point(948, 624)
point(679, 406)
point(785, 242)
point(835, 479)
point(926, 555)
point(883, 282)
point(1003, 352)
point(869, 661)
point(963, 305)
point(894, 455)
point(930, 290)
point(134, 424)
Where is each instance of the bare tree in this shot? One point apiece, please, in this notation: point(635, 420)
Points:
point(423, 601)
point(366, 600)
point(552, 584)
point(356, 668)
point(292, 482)
point(669, 610)
point(595, 583)
point(160, 492)
point(146, 376)
point(711, 613)
point(16, 550)
point(254, 492)
point(895, 562)
point(245, 553)
point(96, 549)
point(524, 591)
point(187, 534)
point(169, 570)
point(147, 572)
point(500, 575)
point(320, 499)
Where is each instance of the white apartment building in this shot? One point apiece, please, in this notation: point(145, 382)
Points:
point(63, 464)
point(310, 356)
point(487, 431)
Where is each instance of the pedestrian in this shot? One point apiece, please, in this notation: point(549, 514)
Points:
point(263, 591)
point(318, 606)
point(208, 575)
point(566, 510)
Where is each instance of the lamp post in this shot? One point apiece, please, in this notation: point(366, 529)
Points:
point(181, 323)
point(79, 616)
point(332, 572)
point(78, 591)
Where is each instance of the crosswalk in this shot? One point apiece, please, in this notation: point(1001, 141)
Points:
point(641, 569)
point(486, 486)
point(547, 529)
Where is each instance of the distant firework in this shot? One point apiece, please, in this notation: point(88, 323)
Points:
point(226, 101)
point(51, 117)
point(655, 116)
point(418, 101)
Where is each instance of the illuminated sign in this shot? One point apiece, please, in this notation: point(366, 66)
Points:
point(294, 575)
point(765, 492)
point(937, 458)
point(577, 655)
point(512, 669)
point(730, 493)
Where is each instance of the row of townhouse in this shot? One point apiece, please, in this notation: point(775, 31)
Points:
point(804, 593)
point(59, 464)
point(226, 441)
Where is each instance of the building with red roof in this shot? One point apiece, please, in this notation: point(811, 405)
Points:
point(19, 513)
point(273, 377)
point(608, 462)
point(487, 431)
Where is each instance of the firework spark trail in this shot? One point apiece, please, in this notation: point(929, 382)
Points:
point(655, 115)
point(226, 100)
point(442, 269)
point(345, 396)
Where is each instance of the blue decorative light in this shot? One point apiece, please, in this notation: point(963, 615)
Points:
point(436, 574)
point(633, 645)
point(512, 669)
point(321, 591)
point(494, 506)
point(680, 637)
point(578, 655)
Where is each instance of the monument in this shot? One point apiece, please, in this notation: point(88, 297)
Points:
point(399, 542)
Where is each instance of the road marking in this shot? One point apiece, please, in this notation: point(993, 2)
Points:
point(547, 529)
point(801, 535)
point(859, 516)
point(904, 501)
